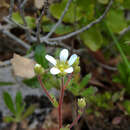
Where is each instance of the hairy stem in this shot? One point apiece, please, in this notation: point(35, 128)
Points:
point(61, 102)
point(45, 90)
point(75, 121)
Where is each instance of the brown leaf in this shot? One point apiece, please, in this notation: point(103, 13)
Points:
point(23, 67)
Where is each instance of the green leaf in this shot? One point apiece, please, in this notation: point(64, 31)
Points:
point(74, 89)
point(9, 102)
point(17, 18)
point(126, 4)
point(126, 104)
point(33, 82)
point(89, 111)
point(123, 72)
point(6, 83)
point(61, 29)
point(57, 9)
point(55, 103)
point(103, 1)
point(39, 56)
point(115, 20)
point(125, 43)
point(8, 119)
point(85, 81)
point(19, 103)
point(30, 20)
point(92, 38)
point(89, 91)
point(87, 8)
point(28, 112)
point(120, 1)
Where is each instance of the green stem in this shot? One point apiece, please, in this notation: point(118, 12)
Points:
point(118, 46)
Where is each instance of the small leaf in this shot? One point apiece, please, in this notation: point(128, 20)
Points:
point(19, 103)
point(6, 83)
point(8, 119)
point(85, 81)
point(103, 1)
point(57, 9)
point(9, 102)
point(55, 103)
point(39, 55)
point(61, 29)
point(89, 91)
point(33, 82)
point(28, 112)
point(112, 19)
point(126, 4)
point(126, 104)
point(17, 18)
point(92, 38)
point(30, 22)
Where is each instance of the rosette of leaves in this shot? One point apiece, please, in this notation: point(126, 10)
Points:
point(17, 108)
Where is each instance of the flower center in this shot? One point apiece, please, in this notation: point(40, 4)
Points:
point(61, 65)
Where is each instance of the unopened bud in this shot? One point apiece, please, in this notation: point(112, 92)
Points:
point(39, 70)
point(76, 66)
point(77, 69)
point(81, 102)
point(76, 63)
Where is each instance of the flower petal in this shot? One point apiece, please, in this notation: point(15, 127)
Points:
point(72, 59)
point(64, 55)
point(69, 70)
point(51, 59)
point(54, 71)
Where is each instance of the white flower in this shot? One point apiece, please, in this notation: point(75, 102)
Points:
point(62, 65)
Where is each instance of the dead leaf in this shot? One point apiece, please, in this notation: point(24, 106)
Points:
point(39, 3)
point(3, 3)
point(23, 67)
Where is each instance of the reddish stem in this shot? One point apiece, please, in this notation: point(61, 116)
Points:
point(69, 78)
point(61, 102)
point(45, 90)
point(75, 121)
point(63, 87)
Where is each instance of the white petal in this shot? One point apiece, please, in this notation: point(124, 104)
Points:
point(72, 59)
point(51, 59)
point(69, 70)
point(64, 55)
point(54, 71)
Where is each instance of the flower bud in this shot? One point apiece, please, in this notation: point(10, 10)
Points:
point(39, 70)
point(77, 69)
point(76, 66)
point(81, 102)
